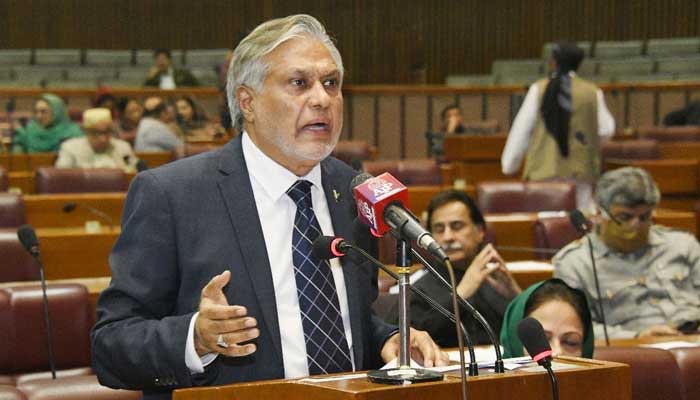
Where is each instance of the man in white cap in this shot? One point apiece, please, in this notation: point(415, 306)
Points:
point(98, 148)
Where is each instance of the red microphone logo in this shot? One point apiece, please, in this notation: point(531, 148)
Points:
point(374, 195)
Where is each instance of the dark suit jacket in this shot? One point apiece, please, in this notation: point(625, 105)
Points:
point(183, 224)
point(181, 76)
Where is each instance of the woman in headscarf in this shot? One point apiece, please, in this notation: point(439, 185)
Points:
point(558, 128)
point(563, 313)
point(49, 127)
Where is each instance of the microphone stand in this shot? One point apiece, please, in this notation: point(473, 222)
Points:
point(473, 366)
point(498, 364)
point(597, 288)
point(404, 373)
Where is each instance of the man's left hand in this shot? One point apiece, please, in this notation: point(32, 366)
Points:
point(422, 347)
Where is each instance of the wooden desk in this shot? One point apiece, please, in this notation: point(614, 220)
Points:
point(590, 379)
point(70, 253)
point(676, 150)
point(26, 162)
point(673, 176)
point(46, 210)
point(155, 158)
point(419, 196)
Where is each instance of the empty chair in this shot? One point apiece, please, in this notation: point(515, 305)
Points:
point(353, 152)
point(522, 196)
point(517, 67)
point(626, 67)
point(655, 374)
point(39, 75)
point(12, 213)
point(553, 234)
point(20, 57)
point(205, 57)
point(645, 78)
point(673, 47)
point(22, 316)
point(470, 80)
point(57, 57)
point(422, 171)
point(522, 80)
point(91, 75)
point(144, 57)
point(75, 388)
point(686, 65)
point(17, 263)
point(207, 76)
point(78, 180)
point(618, 49)
point(637, 149)
point(688, 360)
point(110, 58)
point(587, 68)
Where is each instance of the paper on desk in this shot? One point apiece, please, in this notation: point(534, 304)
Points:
point(529, 266)
point(672, 345)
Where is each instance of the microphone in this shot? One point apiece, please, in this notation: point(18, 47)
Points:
point(380, 204)
point(72, 205)
point(531, 335)
point(27, 236)
point(328, 247)
point(141, 165)
point(582, 225)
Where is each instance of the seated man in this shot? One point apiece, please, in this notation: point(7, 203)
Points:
point(452, 123)
point(164, 76)
point(649, 275)
point(153, 132)
point(98, 148)
point(480, 272)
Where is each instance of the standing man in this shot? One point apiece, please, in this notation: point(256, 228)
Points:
point(558, 127)
point(213, 281)
point(649, 275)
point(480, 273)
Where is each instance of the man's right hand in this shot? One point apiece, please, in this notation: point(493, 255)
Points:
point(478, 270)
point(216, 317)
point(658, 330)
point(153, 72)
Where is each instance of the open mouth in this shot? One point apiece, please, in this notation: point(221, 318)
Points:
point(318, 126)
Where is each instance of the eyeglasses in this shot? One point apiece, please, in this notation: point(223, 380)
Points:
point(625, 218)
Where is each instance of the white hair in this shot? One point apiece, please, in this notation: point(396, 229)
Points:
point(247, 66)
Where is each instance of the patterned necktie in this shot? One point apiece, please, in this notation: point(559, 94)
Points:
point(326, 348)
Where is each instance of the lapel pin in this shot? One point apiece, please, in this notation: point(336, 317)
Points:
point(336, 195)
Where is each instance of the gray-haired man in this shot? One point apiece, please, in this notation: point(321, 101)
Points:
point(649, 275)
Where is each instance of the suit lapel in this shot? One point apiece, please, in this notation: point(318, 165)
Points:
point(237, 192)
point(340, 202)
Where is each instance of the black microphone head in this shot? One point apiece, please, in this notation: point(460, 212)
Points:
point(327, 247)
point(578, 220)
point(27, 236)
point(141, 165)
point(359, 180)
point(531, 335)
point(69, 206)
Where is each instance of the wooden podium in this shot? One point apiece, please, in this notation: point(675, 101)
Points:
point(589, 379)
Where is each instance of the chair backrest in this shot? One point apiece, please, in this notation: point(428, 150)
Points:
point(4, 180)
point(17, 263)
point(71, 320)
point(520, 196)
point(553, 233)
point(655, 373)
point(353, 152)
point(637, 149)
point(79, 180)
point(12, 212)
point(419, 171)
point(75, 388)
point(688, 359)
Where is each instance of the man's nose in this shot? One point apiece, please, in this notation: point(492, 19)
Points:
point(319, 96)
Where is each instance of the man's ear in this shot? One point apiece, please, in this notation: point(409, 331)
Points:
point(245, 97)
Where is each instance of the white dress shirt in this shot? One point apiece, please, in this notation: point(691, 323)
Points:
point(524, 124)
point(167, 80)
point(277, 210)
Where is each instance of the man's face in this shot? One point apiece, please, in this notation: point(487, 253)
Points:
point(632, 231)
point(99, 136)
point(297, 116)
point(162, 62)
point(453, 228)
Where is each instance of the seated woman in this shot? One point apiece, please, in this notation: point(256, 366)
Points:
point(47, 129)
point(563, 313)
point(191, 119)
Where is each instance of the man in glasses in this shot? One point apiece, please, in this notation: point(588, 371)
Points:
point(649, 275)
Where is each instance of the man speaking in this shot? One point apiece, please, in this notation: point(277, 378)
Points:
point(213, 281)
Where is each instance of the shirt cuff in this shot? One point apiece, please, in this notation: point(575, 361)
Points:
point(194, 363)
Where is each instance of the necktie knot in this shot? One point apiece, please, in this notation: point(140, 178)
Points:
point(300, 192)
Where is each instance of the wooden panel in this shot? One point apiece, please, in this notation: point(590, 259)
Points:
point(499, 108)
point(389, 127)
point(363, 119)
point(416, 125)
point(672, 176)
point(471, 106)
point(73, 253)
point(474, 148)
point(155, 158)
point(670, 101)
point(641, 108)
point(46, 210)
point(615, 103)
point(672, 150)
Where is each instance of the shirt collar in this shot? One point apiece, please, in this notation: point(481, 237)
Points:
point(273, 177)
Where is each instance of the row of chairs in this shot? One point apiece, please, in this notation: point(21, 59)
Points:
point(108, 58)
point(667, 47)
